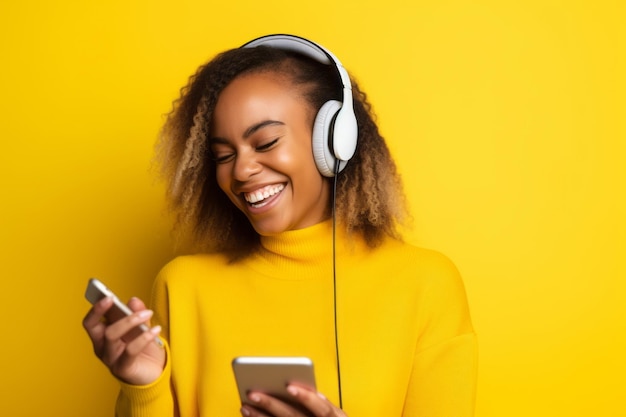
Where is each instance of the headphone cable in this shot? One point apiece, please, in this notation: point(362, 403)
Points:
point(335, 284)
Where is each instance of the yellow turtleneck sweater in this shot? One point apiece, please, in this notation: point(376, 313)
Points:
point(406, 343)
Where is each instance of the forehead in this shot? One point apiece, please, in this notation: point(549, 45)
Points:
point(271, 81)
point(254, 97)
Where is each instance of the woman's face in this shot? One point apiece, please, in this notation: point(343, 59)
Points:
point(261, 139)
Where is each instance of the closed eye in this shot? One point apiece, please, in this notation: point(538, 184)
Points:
point(223, 158)
point(267, 146)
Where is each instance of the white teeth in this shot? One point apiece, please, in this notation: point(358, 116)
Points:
point(263, 193)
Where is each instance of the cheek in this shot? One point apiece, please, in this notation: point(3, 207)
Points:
point(222, 177)
point(305, 165)
point(299, 156)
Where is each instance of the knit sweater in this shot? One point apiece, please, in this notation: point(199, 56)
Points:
point(406, 343)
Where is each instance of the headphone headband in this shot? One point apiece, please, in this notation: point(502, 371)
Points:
point(305, 47)
point(343, 135)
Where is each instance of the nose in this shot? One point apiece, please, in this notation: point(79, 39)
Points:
point(246, 165)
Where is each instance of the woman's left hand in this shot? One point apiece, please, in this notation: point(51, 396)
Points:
point(267, 406)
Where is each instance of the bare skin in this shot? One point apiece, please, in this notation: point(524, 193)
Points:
point(261, 137)
point(139, 360)
point(315, 402)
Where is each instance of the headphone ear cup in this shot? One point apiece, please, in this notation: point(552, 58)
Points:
point(322, 129)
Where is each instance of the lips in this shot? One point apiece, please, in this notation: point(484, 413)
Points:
point(262, 196)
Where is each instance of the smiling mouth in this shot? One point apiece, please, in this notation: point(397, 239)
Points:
point(261, 197)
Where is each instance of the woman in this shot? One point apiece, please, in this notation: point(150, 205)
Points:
point(288, 265)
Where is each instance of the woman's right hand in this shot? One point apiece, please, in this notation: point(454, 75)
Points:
point(133, 357)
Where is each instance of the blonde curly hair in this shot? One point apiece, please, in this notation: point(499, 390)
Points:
point(369, 197)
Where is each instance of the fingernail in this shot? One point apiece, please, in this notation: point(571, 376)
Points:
point(155, 330)
point(255, 398)
point(292, 390)
point(144, 314)
point(245, 411)
point(319, 394)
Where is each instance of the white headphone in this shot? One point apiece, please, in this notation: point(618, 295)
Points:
point(335, 129)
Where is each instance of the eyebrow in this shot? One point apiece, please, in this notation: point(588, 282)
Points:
point(250, 131)
point(255, 127)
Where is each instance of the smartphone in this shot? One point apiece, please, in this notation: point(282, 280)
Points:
point(96, 291)
point(271, 375)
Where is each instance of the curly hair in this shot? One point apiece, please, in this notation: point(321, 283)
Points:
point(369, 197)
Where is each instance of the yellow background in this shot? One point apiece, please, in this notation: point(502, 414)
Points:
point(507, 119)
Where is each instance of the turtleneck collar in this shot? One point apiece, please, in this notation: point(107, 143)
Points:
point(297, 254)
point(303, 245)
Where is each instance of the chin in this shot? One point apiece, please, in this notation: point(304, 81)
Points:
point(268, 228)
point(268, 232)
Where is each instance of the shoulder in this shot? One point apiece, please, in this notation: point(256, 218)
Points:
point(195, 261)
point(439, 291)
point(190, 267)
point(433, 274)
point(426, 280)
point(417, 258)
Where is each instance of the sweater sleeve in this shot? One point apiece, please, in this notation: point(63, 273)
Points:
point(152, 400)
point(443, 379)
point(155, 399)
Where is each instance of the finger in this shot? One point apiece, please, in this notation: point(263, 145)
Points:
point(94, 324)
point(96, 313)
point(144, 343)
point(127, 324)
point(116, 335)
point(314, 401)
point(268, 405)
point(136, 304)
point(249, 411)
point(127, 365)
